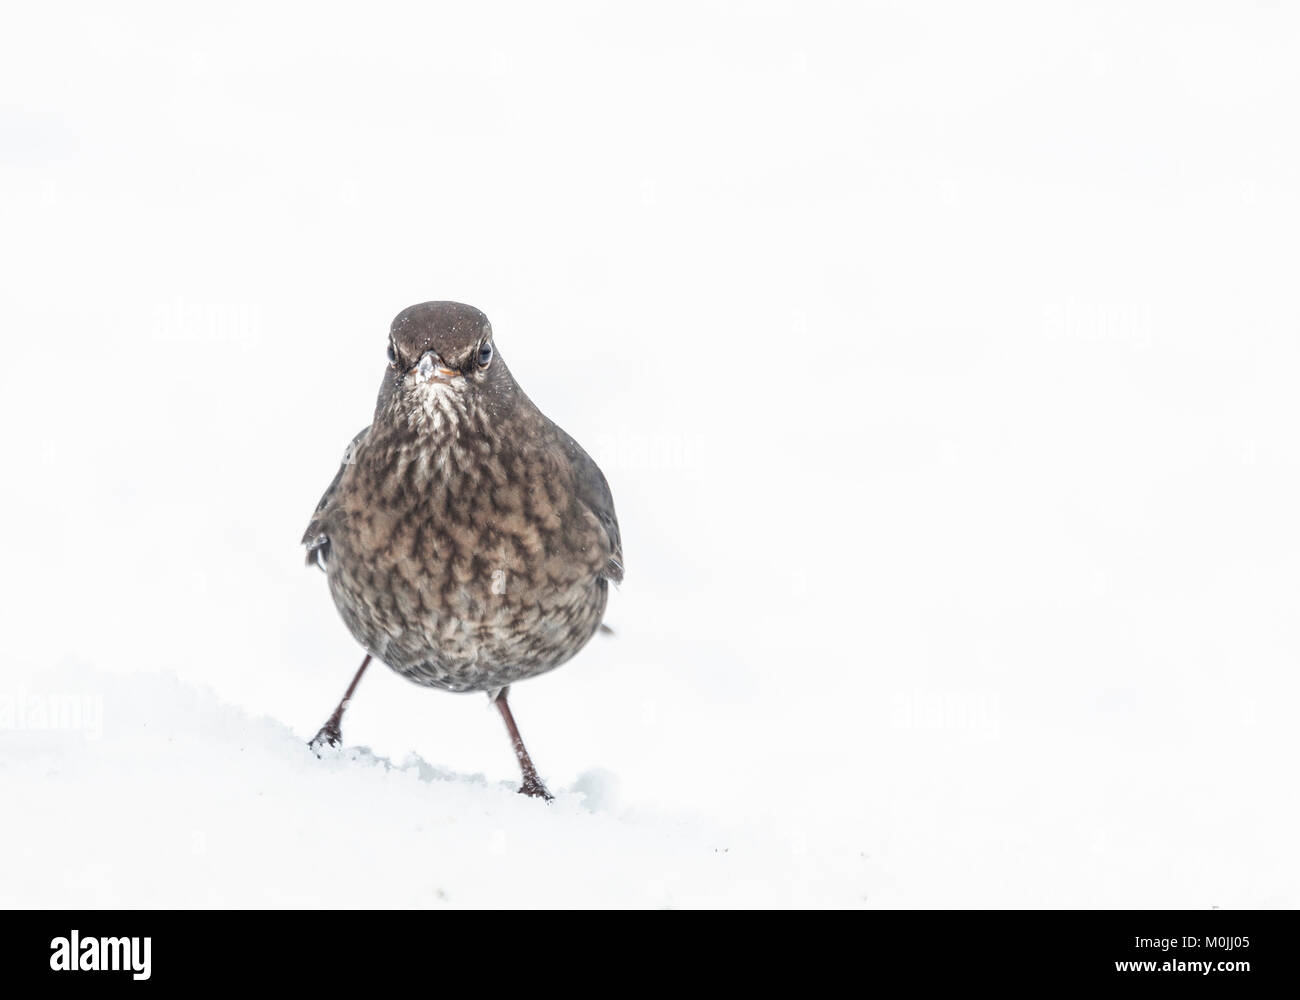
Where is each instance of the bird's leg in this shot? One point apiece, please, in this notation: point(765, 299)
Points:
point(532, 785)
point(331, 734)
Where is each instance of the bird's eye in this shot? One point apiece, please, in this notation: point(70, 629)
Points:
point(392, 354)
point(485, 355)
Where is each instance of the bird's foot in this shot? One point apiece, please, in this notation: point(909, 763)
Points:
point(534, 789)
point(330, 736)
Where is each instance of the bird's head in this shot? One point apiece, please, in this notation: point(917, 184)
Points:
point(442, 361)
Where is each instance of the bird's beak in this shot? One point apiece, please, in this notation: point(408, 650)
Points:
point(428, 369)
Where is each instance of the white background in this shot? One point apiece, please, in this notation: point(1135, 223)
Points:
point(942, 359)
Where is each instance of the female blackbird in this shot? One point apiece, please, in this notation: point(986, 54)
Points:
point(468, 541)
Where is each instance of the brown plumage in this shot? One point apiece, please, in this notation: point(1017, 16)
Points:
point(469, 542)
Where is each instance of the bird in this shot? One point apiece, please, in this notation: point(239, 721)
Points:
point(469, 543)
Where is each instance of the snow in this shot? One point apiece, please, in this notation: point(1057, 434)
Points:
point(942, 362)
point(214, 808)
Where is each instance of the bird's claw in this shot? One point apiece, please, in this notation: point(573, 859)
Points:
point(329, 736)
point(534, 789)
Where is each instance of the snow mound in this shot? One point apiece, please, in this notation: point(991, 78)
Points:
point(143, 791)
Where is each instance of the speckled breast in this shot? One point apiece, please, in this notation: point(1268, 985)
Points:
point(459, 583)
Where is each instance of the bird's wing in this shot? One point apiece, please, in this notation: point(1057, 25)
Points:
point(593, 492)
point(315, 538)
